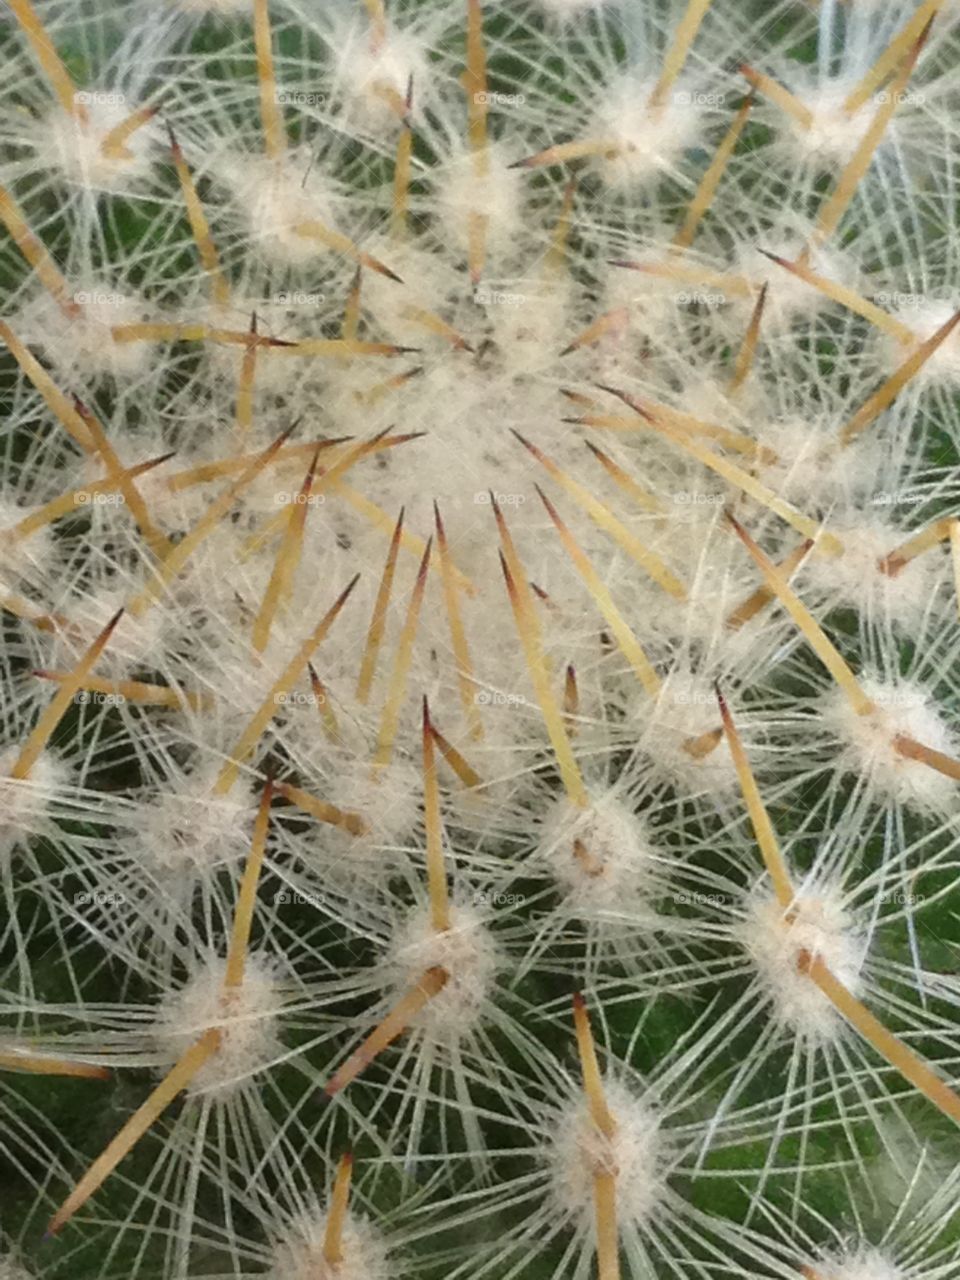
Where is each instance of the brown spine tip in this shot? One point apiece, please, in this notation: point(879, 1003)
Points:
point(425, 560)
point(438, 524)
point(551, 509)
point(111, 626)
point(741, 531)
point(284, 436)
point(722, 703)
point(775, 257)
point(523, 440)
point(164, 457)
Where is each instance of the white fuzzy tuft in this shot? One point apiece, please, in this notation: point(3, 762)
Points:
point(466, 951)
point(246, 1018)
point(817, 925)
point(809, 460)
point(81, 345)
point(24, 803)
point(373, 81)
point(387, 798)
point(856, 577)
point(278, 197)
point(789, 298)
point(428, 281)
point(686, 709)
point(646, 142)
point(867, 1264)
point(634, 1153)
point(834, 134)
point(901, 708)
point(925, 316)
point(497, 196)
point(612, 864)
point(78, 150)
point(12, 1270)
point(23, 557)
point(300, 1255)
point(192, 832)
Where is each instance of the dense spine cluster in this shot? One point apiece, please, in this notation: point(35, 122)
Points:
point(480, 681)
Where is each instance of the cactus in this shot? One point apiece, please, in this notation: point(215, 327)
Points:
point(480, 571)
